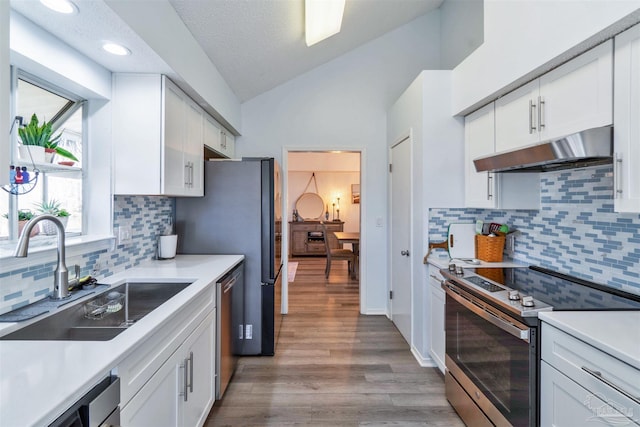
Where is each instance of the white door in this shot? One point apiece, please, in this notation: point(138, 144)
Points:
point(400, 237)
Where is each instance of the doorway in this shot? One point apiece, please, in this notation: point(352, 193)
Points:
point(321, 188)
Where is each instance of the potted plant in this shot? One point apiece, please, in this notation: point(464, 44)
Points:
point(25, 215)
point(35, 135)
point(52, 207)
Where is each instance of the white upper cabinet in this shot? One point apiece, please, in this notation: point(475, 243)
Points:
point(212, 133)
point(515, 124)
point(493, 190)
point(217, 138)
point(157, 137)
point(227, 143)
point(626, 129)
point(479, 137)
point(573, 97)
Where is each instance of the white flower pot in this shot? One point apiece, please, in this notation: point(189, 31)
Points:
point(49, 228)
point(37, 153)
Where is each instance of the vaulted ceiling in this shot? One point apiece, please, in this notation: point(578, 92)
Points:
point(255, 44)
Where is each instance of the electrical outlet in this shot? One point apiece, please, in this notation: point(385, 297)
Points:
point(510, 245)
point(249, 332)
point(124, 234)
point(96, 269)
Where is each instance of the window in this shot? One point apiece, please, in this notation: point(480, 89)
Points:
point(57, 183)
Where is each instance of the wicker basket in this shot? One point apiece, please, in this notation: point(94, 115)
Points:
point(490, 248)
point(495, 274)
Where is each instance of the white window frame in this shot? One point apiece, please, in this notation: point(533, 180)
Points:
point(97, 231)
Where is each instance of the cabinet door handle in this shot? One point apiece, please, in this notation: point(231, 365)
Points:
point(190, 360)
point(598, 376)
point(617, 171)
point(186, 174)
point(541, 105)
point(532, 124)
point(489, 185)
point(185, 380)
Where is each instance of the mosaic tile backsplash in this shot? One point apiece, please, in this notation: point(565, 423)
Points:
point(576, 230)
point(148, 216)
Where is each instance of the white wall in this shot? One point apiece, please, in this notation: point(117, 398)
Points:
point(330, 184)
point(4, 90)
point(437, 181)
point(38, 52)
point(342, 105)
point(525, 38)
point(334, 175)
point(461, 30)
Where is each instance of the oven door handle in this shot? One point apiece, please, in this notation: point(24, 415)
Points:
point(477, 307)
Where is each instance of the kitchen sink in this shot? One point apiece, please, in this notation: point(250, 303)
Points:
point(102, 317)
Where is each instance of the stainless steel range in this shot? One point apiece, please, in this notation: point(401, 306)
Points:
point(493, 342)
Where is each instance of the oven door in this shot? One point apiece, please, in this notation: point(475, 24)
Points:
point(490, 356)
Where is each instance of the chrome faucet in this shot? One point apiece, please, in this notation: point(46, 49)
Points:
point(61, 274)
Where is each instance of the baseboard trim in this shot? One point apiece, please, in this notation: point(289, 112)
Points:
point(425, 362)
point(375, 312)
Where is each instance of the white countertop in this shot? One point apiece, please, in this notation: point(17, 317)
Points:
point(615, 332)
point(443, 261)
point(40, 379)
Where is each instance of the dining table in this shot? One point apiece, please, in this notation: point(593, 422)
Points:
point(352, 237)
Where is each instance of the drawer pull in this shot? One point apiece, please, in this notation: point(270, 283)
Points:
point(598, 375)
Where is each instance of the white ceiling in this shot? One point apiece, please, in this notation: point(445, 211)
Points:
point(255, 44)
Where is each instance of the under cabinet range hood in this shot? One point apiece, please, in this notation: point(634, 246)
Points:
point(587, 148)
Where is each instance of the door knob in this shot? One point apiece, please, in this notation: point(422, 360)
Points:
point(404, 253)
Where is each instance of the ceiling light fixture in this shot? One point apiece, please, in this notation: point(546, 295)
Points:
point(323, 18)
point(116, 49)
point(60, 6)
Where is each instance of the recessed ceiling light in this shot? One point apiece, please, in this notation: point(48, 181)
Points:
point(116, 49)
point(60, 6)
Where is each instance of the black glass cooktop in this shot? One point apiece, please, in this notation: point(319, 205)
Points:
point(484, 284)
point(568, 293)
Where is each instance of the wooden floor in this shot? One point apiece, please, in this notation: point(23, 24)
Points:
point(333, 366)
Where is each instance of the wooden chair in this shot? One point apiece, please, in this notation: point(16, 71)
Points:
point(337, 254)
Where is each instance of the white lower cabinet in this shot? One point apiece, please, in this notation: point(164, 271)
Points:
point(581, 385)
point(566, 404)
point(181, 391)
point(156, 404)
point(436, 318)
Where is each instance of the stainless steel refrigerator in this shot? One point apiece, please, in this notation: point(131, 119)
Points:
point(238, 215)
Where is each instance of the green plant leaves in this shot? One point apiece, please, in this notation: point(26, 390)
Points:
point(64, 153)
point(33, 134)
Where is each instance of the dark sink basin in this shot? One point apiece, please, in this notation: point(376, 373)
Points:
point(102, 317)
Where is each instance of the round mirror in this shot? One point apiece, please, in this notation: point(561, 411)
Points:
point(310, 206)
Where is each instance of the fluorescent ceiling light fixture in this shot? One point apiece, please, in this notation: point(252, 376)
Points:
point(322, 18)
point(116, 49)
point(60, 6)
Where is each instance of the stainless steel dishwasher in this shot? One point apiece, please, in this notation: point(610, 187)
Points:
point(98, 408)
point(230, 325)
